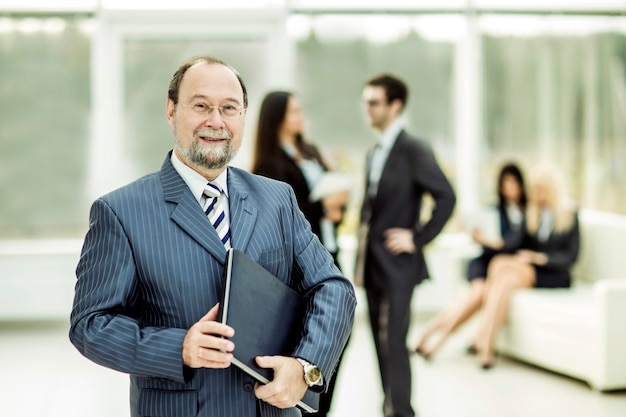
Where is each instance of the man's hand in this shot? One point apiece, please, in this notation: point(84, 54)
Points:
point(399, 240)
point(204, 345)
point(287, 387)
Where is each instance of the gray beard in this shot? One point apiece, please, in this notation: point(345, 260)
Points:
point(210, 158)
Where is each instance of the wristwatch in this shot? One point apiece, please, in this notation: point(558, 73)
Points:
point(312, 374)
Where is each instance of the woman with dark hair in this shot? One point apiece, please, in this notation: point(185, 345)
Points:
point(510, 207)
point(282, 153)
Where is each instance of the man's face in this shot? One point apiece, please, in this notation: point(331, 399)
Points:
point(207, 142)
point(380, 113)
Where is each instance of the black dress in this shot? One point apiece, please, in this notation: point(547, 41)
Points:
point(477, 268)
point(561, 250)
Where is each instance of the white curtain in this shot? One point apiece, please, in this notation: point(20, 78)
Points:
point(562, 99)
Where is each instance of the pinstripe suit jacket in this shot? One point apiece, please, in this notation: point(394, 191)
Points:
point(151, 266)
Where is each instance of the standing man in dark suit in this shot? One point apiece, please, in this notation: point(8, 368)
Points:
point(149, 276)
point(400, 170)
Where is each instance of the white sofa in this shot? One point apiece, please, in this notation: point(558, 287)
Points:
point(579, 331)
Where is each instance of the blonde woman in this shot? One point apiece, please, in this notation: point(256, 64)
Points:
point(549, 248)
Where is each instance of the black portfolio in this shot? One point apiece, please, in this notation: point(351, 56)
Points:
point(266, 315)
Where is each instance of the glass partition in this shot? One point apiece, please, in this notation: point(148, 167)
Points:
point(44, 125)
point(558, 93)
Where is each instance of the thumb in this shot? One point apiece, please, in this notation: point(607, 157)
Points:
point(267, 362)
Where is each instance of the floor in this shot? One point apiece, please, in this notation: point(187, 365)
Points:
point(44, 376)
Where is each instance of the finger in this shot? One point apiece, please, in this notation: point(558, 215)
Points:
point(208, 324)
point(216, 343)
point(262, 392)
point(211, 358)
point(215, 328)
point(209, 334)
point(198, 348)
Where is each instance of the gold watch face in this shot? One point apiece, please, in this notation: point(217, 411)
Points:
point(313, 375)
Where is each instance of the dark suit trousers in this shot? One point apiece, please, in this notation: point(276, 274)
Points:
point(389, 314)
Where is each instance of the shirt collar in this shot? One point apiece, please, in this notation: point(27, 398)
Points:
point(290, 149)
point(195, 181)
point(388, 137)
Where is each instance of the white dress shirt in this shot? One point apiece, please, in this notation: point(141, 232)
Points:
point(381, 153)
point(546, 222)
point(197, 183)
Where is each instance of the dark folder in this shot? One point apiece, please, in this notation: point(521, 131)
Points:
point(267, 316)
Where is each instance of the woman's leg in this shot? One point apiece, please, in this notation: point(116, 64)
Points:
point(500, 263)
point(431, 327)
point(450, 320)
point(505, 275)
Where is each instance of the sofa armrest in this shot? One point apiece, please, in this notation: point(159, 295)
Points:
point(610, 296)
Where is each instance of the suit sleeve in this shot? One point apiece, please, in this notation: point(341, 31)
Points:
point(430, 177)
point(103, 327)
point(331, 300)
point(564, 257)
point(313, 210)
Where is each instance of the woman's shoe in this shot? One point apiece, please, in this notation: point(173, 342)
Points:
point(471, 350)
point(486, 364)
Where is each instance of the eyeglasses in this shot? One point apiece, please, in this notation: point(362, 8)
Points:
point(373, 103)
point(227, 111)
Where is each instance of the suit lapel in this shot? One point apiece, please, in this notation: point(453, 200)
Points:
point(389, 166)
point(187, 213)
point(242, 213)
point(391, 158)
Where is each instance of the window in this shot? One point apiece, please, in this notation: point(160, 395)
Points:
point(44, 126)
point(558, 93)
point(149, 65)
point(336, 57)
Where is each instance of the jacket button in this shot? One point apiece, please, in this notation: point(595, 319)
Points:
point(248, 386)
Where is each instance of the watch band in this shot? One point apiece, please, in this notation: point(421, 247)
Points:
point(312, 374)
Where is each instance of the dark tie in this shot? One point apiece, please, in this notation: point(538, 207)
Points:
point(375, 163)
point(215, 212)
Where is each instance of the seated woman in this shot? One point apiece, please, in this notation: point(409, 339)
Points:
point(549, 249)
point(511, 206)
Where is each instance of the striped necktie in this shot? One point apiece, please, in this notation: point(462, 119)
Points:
point(215, 212)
